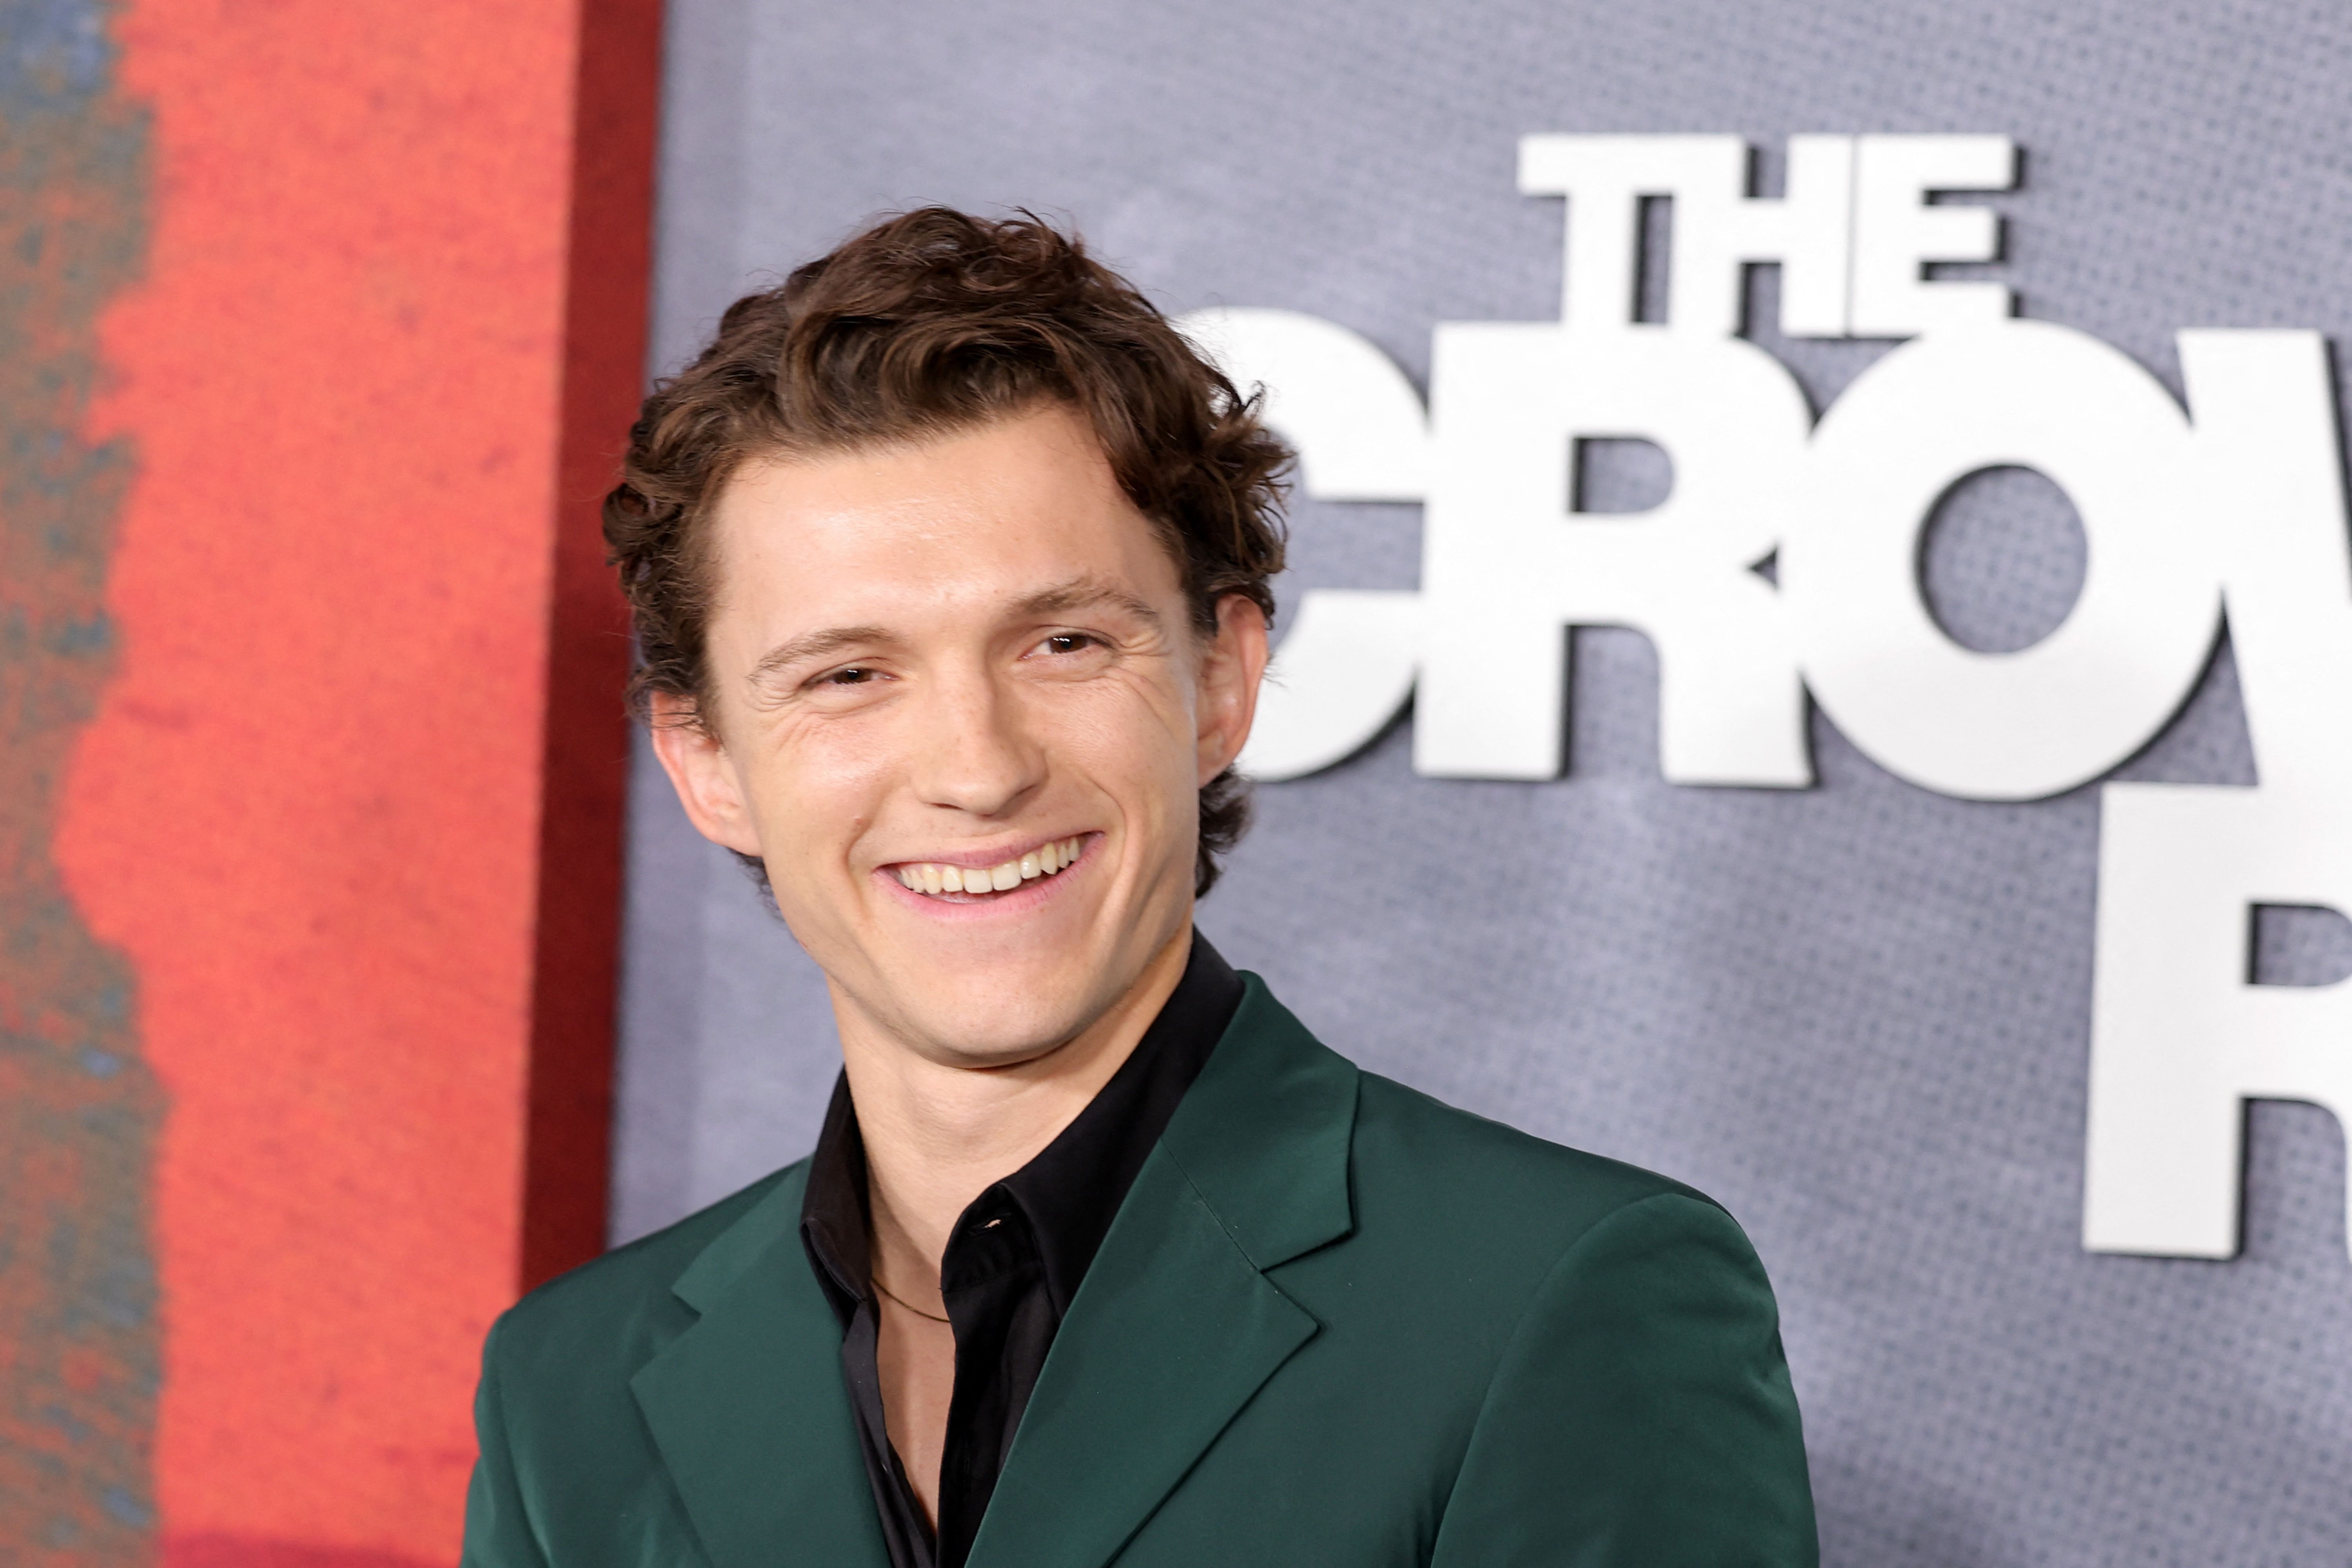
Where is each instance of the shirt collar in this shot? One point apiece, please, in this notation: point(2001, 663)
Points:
point(834, 1226)
point(1072, 1190)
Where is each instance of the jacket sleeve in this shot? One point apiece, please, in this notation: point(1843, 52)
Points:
point(497, 1532)
point(1642, 1416)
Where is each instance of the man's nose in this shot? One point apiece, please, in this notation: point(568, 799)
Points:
point(972, 751)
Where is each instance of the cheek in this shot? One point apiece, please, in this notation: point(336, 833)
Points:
point(816, 788)
point(1132, 738)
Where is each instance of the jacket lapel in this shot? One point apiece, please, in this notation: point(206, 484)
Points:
point(748, 1408)
point(1177, 1327)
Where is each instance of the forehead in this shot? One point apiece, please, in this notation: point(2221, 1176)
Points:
point(971, 517)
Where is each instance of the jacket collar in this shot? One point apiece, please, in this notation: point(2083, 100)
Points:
point(1172, 1332)
point(747, 1409)
point(1177, 1325)
point(1265, 1134)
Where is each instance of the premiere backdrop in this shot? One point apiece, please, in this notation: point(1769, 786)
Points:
point(319, 328)
point(1858, 1013)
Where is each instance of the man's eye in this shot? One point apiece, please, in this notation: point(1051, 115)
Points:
point(854, 676)
point(1068, 642)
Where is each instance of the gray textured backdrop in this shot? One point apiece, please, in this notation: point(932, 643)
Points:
point(1858, 1013)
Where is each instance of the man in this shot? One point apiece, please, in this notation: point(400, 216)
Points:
point(949, 565)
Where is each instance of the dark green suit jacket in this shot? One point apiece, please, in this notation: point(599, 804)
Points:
point(1334, 1322)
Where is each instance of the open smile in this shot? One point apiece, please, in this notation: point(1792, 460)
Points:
point(982, 884)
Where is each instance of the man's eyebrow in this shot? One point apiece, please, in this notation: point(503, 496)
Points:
point(1087, 594)
point(817, 644)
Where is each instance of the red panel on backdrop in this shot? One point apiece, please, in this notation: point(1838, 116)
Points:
point(360, 846)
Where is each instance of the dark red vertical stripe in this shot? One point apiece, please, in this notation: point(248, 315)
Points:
point(573, 995)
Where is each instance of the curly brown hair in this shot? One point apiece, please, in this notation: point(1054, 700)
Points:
point(927, 323)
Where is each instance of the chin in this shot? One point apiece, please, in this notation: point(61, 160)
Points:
point(992, 992)
point(1008, 1005)
point(989, 1033)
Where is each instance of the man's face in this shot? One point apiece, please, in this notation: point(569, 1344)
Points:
point(935, 661)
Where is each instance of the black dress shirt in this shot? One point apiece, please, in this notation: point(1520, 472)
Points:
point(1013, 1262)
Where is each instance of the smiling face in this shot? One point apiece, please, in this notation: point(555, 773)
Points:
point(940, 669)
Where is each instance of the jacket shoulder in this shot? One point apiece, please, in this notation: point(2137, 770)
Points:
point(619, 1305)
point(1421, 1162)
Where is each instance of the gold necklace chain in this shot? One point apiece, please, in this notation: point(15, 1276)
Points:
point(933, 1317)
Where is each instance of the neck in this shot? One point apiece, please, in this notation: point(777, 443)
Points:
point(936, 1135)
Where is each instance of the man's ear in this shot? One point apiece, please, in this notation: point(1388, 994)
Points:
point(703, 774)
point(1231, 667)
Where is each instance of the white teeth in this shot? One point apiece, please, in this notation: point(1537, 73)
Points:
point(937, 877)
